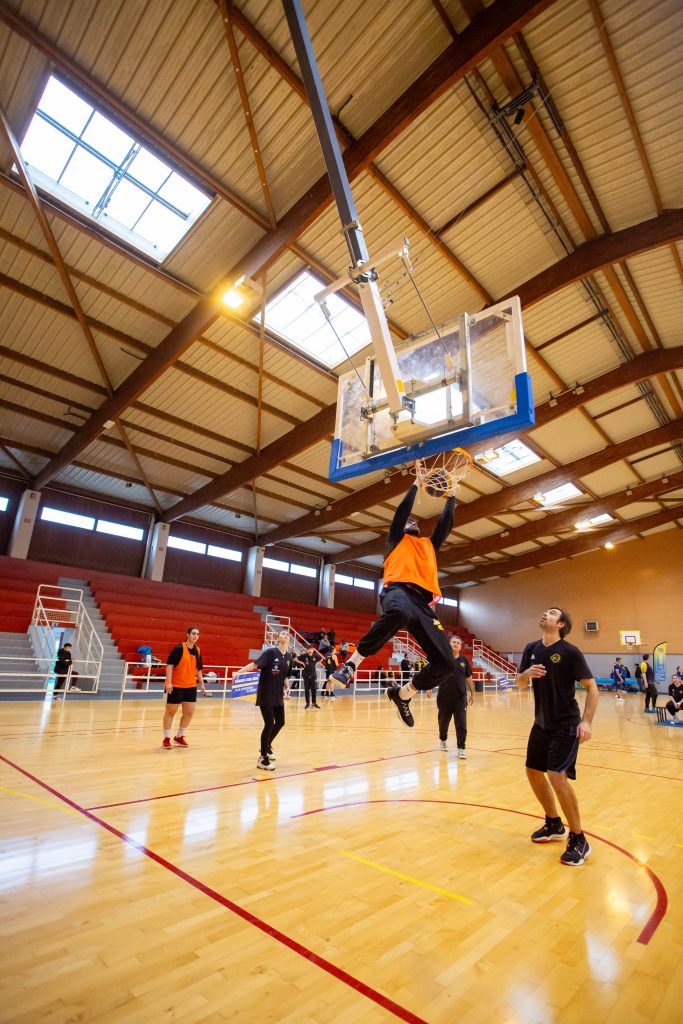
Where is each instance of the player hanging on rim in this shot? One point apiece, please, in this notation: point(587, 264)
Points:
point(411, 587)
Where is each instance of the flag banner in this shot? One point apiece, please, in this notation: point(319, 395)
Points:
point(246, 685)
point(659, 662)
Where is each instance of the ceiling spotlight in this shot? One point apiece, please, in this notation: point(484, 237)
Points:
point(582, 524)
point(404, 471)
point(232, 298)
point(328, 508)
point(552, 403)
point(665, 479)
point(316, 512)
point(237, 294)
point(323, 541)
point(238, 515)
point(387, 478)
point(629, 491)
point(579, 389)
point(609, 545)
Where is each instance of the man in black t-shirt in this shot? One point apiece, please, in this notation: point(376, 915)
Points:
point(554, 667)
point(309, 662)
point(455, 693)
point(675, 705)
point(275, 664)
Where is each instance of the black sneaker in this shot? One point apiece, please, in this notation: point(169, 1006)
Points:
point(577, 850)
point(316, 707)
point(264, 764)
point(344, 675)
point(307, 707)
point(553, 829)
point(402, 706)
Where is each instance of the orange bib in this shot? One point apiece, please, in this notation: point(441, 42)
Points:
point(413, 560)
point(185, 673)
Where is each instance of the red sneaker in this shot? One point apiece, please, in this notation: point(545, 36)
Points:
point(181, 741)
point(166, 743)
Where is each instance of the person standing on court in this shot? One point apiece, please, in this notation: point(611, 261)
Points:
point(554, 667)
point(275, 665)
point(309, 661)
point(648, 674)
point(454, 696)
point(411, 587)
point(183, 672)
point(330, 664)
point(618, 677)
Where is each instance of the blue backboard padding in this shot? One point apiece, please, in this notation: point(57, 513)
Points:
point(520, 420)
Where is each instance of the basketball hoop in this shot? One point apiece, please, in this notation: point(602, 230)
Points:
point(440, 475)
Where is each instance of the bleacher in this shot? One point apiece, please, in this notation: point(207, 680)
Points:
point(19, 582)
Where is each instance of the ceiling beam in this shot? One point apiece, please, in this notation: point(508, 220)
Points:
point(485, 32)
point(554, 524)
point(506, 498)
point(567, 548)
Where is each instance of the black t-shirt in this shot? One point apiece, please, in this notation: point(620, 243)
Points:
point(676, 692)
point(177, 653)
point(330, 665)
point(649, 673)
point(275, 668)
point(63, 661)
point(454, 688)
point(554, 698)
point(309, 662)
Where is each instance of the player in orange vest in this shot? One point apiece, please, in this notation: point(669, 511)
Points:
point(183, 672)
point(411, 588)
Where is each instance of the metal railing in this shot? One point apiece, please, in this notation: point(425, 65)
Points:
point(274, 626)
point(63, 607)
point(486, 659)
point(140, 676)
point(39, 676)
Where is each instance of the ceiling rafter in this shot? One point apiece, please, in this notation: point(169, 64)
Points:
point(566, 548)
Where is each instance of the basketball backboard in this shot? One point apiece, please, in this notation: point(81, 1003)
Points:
point(466, 383)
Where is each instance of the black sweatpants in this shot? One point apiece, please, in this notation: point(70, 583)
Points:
point(458, 712)
point(311, 689)
point(672, 709)
point(651, 695)
point(273, 720)
point(403, 608)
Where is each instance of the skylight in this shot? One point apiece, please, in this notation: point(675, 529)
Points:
point(506, 459)
point(296, 316)
point(557, 494)
point(82, 158)
point(585, 524)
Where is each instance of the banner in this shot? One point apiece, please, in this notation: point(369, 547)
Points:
point(246, 684)
point(659, 662)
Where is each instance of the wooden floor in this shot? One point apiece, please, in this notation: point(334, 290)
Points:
point(373, 878)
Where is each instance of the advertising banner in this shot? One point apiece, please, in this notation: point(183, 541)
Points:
point(246, 685)
point(659, 662)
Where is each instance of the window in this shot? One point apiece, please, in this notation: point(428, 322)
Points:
point(296, 316)
point(4, 503)
point(585, 524)
point(55, 515)
point(346, 580)
point(275, 563)
point(354, 581)
point(228, 553)
point(187, 545)
point(451, 602)
point(82, 158)
point(506, 459)
point(557, 494)
point(119, 530)
point(302, 570)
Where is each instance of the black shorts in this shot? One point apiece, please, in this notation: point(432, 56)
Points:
point(553, 750)
point(181, 694)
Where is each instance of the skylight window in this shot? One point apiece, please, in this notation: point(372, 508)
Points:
point(506, 459)
point(586, 524)
point(187, 545)
point(82, 158)
point(296, 316)
point(4, 503)
point(557, 494)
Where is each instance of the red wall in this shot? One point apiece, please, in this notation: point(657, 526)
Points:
point(285, 584)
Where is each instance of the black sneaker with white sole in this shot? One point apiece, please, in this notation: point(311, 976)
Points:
point(553, 829)
point(402, 706)
point(577, 850)
point(344, 675)
point(265, 764)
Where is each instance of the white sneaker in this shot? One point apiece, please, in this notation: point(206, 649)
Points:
point(444, 745)
point(265, 764)
point(74, 689)
point(461, 753)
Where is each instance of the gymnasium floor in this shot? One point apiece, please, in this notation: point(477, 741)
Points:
point(371, 879)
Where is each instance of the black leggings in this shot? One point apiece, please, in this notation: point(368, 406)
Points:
point(273, 720)
point(672, 709)
point(403, 608)
point(459, 715)
point(651, 695)
point(311, 690)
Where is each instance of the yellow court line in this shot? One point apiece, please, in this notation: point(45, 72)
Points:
point(408, 878)
point(39, 800)
point(639, 836)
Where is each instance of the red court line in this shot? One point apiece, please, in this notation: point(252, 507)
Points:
point(255, 782)
point(661, 904)
point(274, 933)
point(601, 767)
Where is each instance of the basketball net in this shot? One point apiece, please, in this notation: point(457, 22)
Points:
point(441, 474)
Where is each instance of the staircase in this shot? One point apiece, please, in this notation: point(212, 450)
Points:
point(22, 663)
point(486, 659)
point(112, 662)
